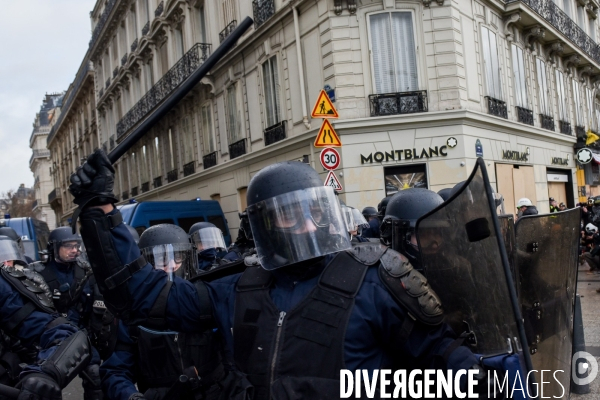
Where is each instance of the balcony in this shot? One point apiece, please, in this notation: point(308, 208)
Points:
point(164, 87)
point(39, 154)
point(172, 176)
point(107, 83)
point(112, 141)
point(189, 168)
point(124, 59)
point(275, 133)
point(237, 149)
point(209, 160)
point(159, 10)
point(547, 122)
point(134, 45)
point(398, 103)
point(102, 21)
point(125, 195)
point(524, 115)
point(227, 31)
point(556, 17)
point(145, 187)
point(101, 93)
point(565, 127)
point(157, 182)
point(134, 191)
point(115, 72)
point(580, 131)
point(262, 11)
point(54, 198)
point(497, 107)
point(146, 29)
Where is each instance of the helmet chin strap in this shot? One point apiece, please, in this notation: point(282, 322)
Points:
point(411, 252)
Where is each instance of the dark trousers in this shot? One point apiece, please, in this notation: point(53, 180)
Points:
point(593, 261)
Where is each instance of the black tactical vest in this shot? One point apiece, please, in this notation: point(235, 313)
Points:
point(301, 351)
point(51, 279)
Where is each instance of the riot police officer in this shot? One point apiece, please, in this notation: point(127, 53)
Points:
point(370, 214)
point(154, 357)
point(11, 233)
point(310, 280)
point(243, 245)
point(28, 316)
point(209, 243)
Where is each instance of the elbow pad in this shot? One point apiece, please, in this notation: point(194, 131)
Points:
point(71, 356)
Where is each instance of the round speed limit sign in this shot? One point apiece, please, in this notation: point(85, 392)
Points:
point(330, 159)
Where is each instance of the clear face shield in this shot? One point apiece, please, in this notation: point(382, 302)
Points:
point(297, 226)
point(208, 238)
point(359, 220)
point(68, 251)
point(349, 219)
point(175, 259)
point(10, 251)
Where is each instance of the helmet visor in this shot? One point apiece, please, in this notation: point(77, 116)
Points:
point(67, 251)
point(175, 259)
point(348, 219)
point(297, 226)
point(208, 238)
point(359, 219)
point(10, 251)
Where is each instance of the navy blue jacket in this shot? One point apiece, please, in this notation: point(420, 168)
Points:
point(373, 230)
point(118, 372)
point(375, 320)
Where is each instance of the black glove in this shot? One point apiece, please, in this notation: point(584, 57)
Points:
point(39, 386)
point(94, 181)
point(91, 382)
point(136, 396)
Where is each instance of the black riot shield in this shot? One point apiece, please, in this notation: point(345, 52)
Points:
point(465, 262)
point(547, 247)
point(507, 228)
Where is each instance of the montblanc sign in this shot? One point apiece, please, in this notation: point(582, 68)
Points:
point(514, 155)
point(560, 161)
point(408, 154)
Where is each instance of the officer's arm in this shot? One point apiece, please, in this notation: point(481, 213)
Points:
point(117, 372)
point(129, 284)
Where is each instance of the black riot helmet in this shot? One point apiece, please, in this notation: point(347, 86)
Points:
point(369, 212)
point(10, 251)
point(382, 206)
point(13, 235)
point(69, 241)
point(134, 234)
point(402, 213)
point(168, 247)
point(205, 235)
point(293, 217)
point(445, 193)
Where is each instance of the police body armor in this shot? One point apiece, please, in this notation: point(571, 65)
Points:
point(303, 351)
point(103, 326)
point(70, 299)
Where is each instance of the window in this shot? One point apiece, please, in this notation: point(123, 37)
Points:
point(163, 58)
point(171, 155)
point(581, 18)
point(234, 117)
point(400, 178)
point(543, 87)
point(200, 24)
point(179, 50)
point(393, 52)
point(491, 64)
point(149, 75)
point(519, 73)
point(143, 164)
point(156, 162)
point(592, 29)
point(578, 105)
point(590, 106)
point(271, 85)
point(207, 128)
point(133, 167)
point(563, 112)
point(188, 140)
point(567, 7)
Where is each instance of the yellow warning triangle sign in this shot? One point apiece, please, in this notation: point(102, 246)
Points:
point(324, 107)
point(327, 136)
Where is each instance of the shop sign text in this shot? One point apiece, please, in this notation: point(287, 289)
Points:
point(409, 154)
point(560, 161)
point(514, 155)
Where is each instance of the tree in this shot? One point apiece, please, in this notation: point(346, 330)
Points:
point(18, 203)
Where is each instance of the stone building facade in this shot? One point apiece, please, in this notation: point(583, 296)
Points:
point(39, 163)
point(422, 89)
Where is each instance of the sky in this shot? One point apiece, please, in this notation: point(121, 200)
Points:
point(43, 44)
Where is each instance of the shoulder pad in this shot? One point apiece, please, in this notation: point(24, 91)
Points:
point(28, 288)
point(410, 289)
point(252, 260)
point(367, 253)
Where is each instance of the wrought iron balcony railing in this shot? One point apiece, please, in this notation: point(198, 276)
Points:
point(159, 10)
point(497, 107)
point(107, 83)
point(125, 195)
point(105, 146)
point(124, 59)
point(164, 87)
point(115, 72)
point(524, 115)
point(102, 21)
point(146, 29)
point(547, 122)
point(157, 182)
point(237, 149)
point(565, 127)
point(580, 131)
point(145, 187)
point(53, 196)
point(275, 133)
point(189, 168)
point(262, 11)
point(111, 140)
point(209, 160)
point(39, 154)
point(134, 45)
point(398, 103)
point(101, 93)
point(172, 176)
point(552, 13)
point(134, 191)
point(227, 31)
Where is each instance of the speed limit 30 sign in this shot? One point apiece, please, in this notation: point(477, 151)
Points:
point(330, 158)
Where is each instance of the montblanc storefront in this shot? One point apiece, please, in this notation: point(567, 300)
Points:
point(379, 163)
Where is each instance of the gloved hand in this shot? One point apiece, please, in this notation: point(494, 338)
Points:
point(91, 382)
point(39, 386)
point(94, 180)
point(136, 396)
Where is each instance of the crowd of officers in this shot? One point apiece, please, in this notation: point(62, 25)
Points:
point(309, 287)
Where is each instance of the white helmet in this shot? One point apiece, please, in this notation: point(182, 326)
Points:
point(524, 202)
point(591, 228)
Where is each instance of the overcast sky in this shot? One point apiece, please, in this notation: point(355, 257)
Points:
point(43, 44)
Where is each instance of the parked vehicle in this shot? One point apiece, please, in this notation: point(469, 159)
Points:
point(34, 235)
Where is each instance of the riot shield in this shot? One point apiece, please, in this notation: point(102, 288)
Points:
point(507, 228)
point(465, 262)
point(547, 247)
